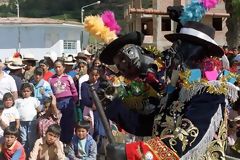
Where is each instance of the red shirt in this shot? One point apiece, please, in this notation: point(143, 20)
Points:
point(47, 75)
point(16, 147)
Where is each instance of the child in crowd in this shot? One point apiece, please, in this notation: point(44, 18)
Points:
point(81, 77)
point(3, 123)
point(50, 115)
point(42, 88)
point(49, 147)
point(99, 134)
point(66, 94)
point(12, 149)
point(83, 146)
point(87, 102)
point(10, 112)
point(28, 107)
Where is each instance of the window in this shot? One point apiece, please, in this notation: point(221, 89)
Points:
point(69, 44)
point(166, 24)
point(147, 26)
point(217, 24)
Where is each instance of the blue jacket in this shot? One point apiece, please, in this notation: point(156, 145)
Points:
point(90, 149)
point(42, 86)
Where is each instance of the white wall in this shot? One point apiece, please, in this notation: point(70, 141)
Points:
point(39, 39)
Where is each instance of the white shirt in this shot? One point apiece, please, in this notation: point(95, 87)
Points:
point(7, 84)
point(27, 108)
point(82, 79)
point(11, 114)
point(1, 130)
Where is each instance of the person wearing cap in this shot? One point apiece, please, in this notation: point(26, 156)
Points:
point(42, 88)
point(51, 57)
point(16, 71)
point(81, 56)
point(30, 63)
point(69, 63)
point(88, 55)
point(6, 62)
point(191, 122)
point(45, 66)
point(7, 83)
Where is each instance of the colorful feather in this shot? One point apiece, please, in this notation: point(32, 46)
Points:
point(109, 20)
point(208, 4)
point(95, 26)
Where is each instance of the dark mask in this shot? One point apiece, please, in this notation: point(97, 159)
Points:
point(128, 61)
point(185, 54)
point(190, 53)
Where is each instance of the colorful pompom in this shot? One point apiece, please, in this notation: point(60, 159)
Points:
point(95, 26)
point(196, 9)
point(193, 12)
point(208, 4)
point(104, 27)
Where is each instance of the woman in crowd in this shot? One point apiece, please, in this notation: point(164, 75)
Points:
point(66, 94)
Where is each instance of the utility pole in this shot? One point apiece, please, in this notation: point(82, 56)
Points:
point(18, 16)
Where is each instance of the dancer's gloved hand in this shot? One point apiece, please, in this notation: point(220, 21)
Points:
point(106, 92)
point(116, 151)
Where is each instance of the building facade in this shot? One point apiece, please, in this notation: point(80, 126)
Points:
point(156, 26)
point(40, 35)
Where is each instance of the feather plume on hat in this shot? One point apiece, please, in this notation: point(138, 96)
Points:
point(104, 27)
point(196, 9)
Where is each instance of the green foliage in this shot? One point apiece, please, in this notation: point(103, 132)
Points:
point(153, 50)
point(236, 4)
point(62, 8)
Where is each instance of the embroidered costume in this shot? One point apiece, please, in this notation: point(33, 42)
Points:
point(185, 115)
point(190, 122)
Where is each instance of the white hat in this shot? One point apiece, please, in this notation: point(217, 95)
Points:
point(8, 60)
point(15, 64)
point(86, 52)
point(52, 55)
point(29, 57)
point(69, 60)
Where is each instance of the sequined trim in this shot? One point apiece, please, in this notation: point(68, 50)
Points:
point(160, 149)
point(216, 148)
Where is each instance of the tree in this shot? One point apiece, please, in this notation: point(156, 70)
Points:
point(233, 22)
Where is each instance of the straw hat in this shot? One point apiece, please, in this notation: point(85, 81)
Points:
point(69, 60)
point(52, 55)
point(29, 57)
point(85, 52)
point(15, 64)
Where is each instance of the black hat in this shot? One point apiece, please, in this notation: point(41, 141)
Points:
point(112, 49)
point(198, 33)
